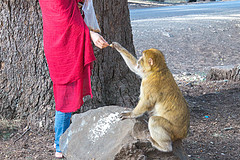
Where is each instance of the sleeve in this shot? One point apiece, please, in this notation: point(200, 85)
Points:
point(80, 1)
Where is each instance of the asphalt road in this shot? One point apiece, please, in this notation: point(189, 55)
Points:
point(193, 37)
point(212, 8)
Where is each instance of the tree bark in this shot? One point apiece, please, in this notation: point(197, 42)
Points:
point(112, 82)
point(25, 85)
point(26, 88)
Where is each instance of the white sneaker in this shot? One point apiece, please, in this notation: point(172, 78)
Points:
point(58, 155)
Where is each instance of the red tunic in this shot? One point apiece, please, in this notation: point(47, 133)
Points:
point(69, 52)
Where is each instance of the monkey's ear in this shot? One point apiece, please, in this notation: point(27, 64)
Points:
point(150, 61)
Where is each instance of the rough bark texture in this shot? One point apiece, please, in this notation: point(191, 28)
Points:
point(229, 72)
point(25, 85)
point(112, 81)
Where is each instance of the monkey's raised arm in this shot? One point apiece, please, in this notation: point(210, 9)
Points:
point(130, 60)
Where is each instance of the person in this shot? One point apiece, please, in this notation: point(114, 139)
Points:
point(69, 53)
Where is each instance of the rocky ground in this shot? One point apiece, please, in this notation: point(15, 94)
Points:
point(214, 131)
point(191, 48)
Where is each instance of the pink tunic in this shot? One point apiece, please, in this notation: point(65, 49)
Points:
point(69, 52)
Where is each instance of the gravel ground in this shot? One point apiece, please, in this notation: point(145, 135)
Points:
point(192, 45)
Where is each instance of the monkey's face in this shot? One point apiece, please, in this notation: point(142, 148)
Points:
point(153, 60)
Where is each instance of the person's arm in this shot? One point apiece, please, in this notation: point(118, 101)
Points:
point(98, 40)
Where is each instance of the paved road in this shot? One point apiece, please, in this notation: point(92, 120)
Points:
point(183, 10)
point(193, 37)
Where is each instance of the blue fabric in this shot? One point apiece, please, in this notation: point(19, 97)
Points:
point(62, 122)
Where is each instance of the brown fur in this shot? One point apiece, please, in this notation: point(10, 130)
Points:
point(160, 96)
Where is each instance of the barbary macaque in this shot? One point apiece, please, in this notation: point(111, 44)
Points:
point(159, 96)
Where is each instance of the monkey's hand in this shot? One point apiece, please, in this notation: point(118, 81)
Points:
point(130, 60)
point(117, 46)
point(126, 115)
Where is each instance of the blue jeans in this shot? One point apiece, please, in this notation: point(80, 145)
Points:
point(62, 122)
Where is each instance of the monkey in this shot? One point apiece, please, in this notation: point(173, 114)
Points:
point(160, 96)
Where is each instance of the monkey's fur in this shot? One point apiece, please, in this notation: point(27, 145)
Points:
point(160, 96)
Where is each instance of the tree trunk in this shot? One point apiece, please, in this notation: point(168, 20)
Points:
point(112, 82)
point(26, 89)
point(25, 85)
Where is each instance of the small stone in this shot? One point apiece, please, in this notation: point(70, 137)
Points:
point(228, 128)
point(187, 74)
point(166, 34)
point(189, 85)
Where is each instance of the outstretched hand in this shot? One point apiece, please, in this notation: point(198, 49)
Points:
point(98, 40)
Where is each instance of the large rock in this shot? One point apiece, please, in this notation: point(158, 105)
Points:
point(230, 72)
point(100, 134)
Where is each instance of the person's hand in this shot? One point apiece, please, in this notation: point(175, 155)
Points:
point(98, 40)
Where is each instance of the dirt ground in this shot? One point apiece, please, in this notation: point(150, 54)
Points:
point(214, 130)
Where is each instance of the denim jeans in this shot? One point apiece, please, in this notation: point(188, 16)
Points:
point(62, 122)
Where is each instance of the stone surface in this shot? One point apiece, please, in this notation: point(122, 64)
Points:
point(230, 72)
point(100, 134)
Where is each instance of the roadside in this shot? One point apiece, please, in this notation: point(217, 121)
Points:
point(137, 4)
